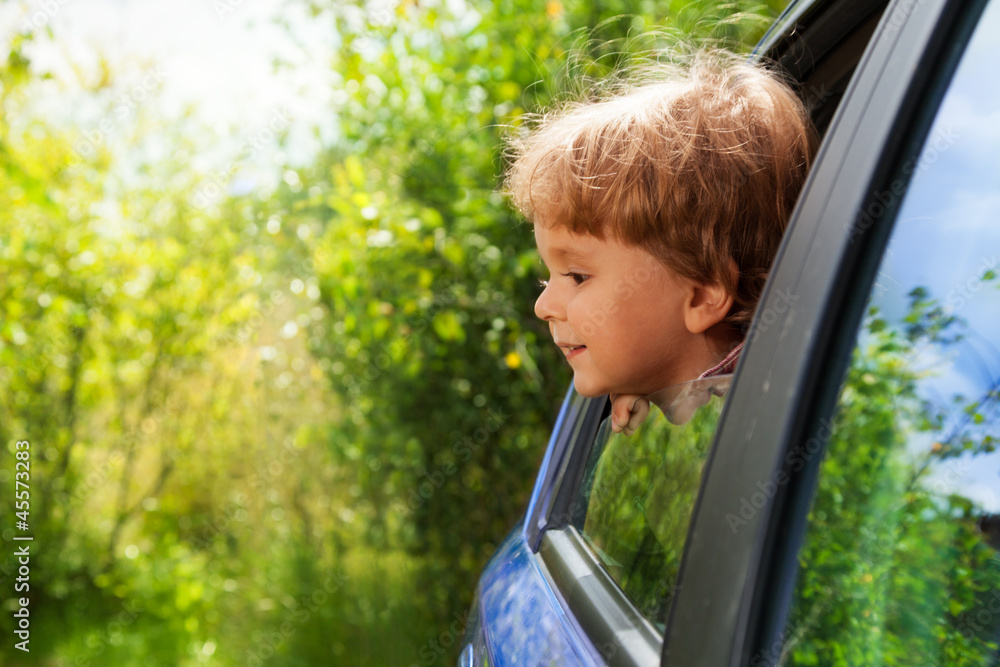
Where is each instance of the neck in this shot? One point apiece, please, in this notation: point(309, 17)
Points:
point(720, 341)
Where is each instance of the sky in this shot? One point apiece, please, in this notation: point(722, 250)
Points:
point(215, 54)
point(945, 239)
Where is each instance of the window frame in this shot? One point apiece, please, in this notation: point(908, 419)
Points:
point(732, 602)
point(598, 611)
point(561, 472)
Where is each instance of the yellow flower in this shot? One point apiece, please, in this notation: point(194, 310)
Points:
point(513, 360)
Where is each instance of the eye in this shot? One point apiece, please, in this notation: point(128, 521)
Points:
point(578, 278)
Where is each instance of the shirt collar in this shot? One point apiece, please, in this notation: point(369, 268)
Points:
point(727, 365)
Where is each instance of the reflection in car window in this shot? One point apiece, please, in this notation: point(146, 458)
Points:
point(638, 491)
point(900, 561)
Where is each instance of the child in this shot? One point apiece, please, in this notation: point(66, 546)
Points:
point(658, 211)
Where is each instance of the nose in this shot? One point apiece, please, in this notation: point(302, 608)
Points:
point(547, 305)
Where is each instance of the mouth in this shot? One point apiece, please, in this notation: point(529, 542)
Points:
point(573, 350)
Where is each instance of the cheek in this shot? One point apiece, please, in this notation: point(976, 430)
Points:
point(589, 318)
point(641, 325)
point(658, 307)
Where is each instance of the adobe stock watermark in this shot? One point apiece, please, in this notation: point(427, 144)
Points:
point(622, 290)
point(463, 449)
point(964, 292)
point(431, 651)
point(946, 481)
point(381, 357)
point(97, 642)
point(52, 344)
point(795, 460)
point(381, 15)
point(777, 305)
point(96, 479)
point(132, 438)
point(265, 475)
point(886, 200)
point(245, 331)
point(378, 16)
point(981, 618)
point(125, 105)
point(234, 511)
point(777, 653)
point(214, 187)
point(815, 96)
point(266, 645)
point(223, 7)
point(900, 13)
point(41, 14)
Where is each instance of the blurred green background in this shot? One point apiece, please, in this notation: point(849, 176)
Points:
point(282, 382)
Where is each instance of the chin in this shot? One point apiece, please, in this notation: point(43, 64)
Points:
point(588, 389)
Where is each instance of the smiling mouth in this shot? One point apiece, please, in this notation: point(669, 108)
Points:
point(573, 350)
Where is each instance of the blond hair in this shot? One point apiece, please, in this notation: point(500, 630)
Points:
point(700, 167)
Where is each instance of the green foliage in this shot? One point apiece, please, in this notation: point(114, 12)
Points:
point(895, 569)
point(123, 363)
point(639, 504)
point(428, 275)
point(291, 428)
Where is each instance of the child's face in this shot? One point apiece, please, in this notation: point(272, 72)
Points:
point(616, 312)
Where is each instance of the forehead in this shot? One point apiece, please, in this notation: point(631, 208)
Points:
point(557, 242)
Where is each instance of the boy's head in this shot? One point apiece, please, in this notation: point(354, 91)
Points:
point(677, 192)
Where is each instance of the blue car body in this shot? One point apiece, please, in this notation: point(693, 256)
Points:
point(889, 61)
point(516, 618)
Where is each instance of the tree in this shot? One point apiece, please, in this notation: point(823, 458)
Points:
point(896, 567)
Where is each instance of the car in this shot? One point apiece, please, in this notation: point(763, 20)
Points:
point(837, 499)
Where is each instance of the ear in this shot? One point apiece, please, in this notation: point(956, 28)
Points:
point(706, 306)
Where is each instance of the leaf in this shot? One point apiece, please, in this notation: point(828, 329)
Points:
point(447, 326)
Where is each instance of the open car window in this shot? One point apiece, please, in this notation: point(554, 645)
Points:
point(634, 504)
point(612, 516)
point(900, 561)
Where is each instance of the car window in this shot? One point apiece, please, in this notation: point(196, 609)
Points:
point(635, 501)
point(899, 563)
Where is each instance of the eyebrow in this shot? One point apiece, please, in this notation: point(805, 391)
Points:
point(571, 253)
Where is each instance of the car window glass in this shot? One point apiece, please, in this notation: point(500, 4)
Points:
point(635, 501)
point(899, 564)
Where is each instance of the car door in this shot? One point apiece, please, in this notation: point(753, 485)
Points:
point(616, 606)
point(831, 526)
point(875, 77)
